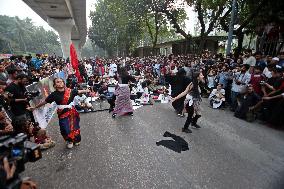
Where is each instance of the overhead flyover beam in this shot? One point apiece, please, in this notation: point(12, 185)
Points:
point(67, 17)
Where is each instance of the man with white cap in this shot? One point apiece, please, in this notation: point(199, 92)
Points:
point(275, 60)
point(272, 64)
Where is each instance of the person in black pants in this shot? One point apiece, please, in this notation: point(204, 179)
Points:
point(193, 100)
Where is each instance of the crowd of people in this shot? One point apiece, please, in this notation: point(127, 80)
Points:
point(15, 74)
point(251, 85)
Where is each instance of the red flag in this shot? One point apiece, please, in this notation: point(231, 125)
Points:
point(75, 62)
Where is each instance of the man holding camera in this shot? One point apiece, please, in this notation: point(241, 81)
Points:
point(257, 80)
point(8, 173)
point(19, 101)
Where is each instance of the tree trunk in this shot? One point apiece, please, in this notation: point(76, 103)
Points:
point(187, 46)
point(240, 43)
point(157, 27)
point(175, 24)
point(201, 43)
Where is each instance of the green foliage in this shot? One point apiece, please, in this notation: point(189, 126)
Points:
point(119, 26)
point(113, 27)
point(22, 35)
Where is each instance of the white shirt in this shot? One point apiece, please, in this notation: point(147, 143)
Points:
point(89, 70)
point(80, 99)
point(216, 93)
point(267, 73)
point(112, 69)
point(250, 61)
point(244, 78)
point(211, 81)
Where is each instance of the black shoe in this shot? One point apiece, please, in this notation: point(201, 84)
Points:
point(130, 113)
point(86, 110)
point(196, 126)
point(198, 116)
point(113, 115)
point(186, 130)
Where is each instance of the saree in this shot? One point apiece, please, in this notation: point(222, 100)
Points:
point(69, 121)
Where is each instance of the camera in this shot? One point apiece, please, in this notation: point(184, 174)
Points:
point(20, 151)
point(31, 94)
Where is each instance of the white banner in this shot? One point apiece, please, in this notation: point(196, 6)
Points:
point(44, 114)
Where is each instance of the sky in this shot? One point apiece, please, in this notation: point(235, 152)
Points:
point(20, 9)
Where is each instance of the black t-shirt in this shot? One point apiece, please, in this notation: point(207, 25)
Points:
point(57, 97)
point(178, 84)
point(18, 91)
point(125, 79)
point(251, 99)
point(275, 82)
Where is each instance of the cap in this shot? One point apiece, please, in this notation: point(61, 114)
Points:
point(275, 58)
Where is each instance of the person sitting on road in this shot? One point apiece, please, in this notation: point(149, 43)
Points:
point(35, 133)
point(217, 97)
point(247, 104)
point(82, 103)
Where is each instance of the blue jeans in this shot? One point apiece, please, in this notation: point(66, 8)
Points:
point(234, 100)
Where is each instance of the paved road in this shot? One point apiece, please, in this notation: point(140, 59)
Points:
point(122, 153)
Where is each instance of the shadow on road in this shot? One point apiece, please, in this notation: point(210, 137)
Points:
point(178, 144)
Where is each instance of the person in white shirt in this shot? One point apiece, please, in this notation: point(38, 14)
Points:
point(240, 81)
point(89, 69)
point(81, 102)
point(112, 69)
point(217, 97)
point(249, 59)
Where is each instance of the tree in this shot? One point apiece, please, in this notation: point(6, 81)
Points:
point(120, 25)
point(251, 15)
point(113, 29)
point(208, 14)
point(17, 35)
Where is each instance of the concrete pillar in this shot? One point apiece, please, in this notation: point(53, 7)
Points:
point(77, 45)
point(64, 29)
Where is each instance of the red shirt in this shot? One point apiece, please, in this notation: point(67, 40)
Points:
point(255, 81)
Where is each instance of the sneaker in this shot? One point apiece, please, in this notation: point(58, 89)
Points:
point(196, 126)
point(76, 143)
point(181, 115)
point(113, 115)
point(186, 130)
point(69, 145)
